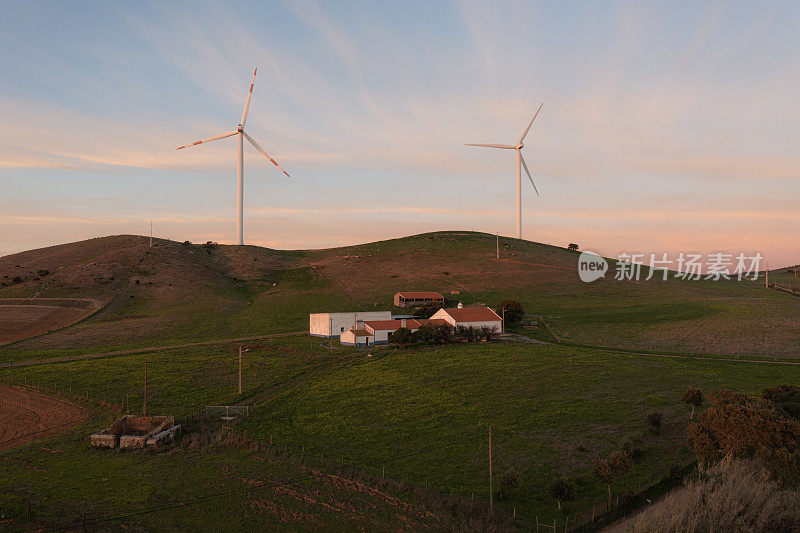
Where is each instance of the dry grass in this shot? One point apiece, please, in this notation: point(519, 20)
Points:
point(733, 495)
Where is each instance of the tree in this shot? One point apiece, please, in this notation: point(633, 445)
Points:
point(427, 333)
point(572, 247)
point(741, 426)
point(562, 490)
point(443, 334)
point(694, 397)
point(427, 310)
point(617, 464)
point(402, 336)
point(511, 311)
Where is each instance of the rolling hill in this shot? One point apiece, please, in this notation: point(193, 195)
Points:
point(410, 424)
point(178, 292)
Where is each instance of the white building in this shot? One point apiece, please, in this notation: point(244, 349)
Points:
point(334, 324)
point(470, 316)
point(372, 332)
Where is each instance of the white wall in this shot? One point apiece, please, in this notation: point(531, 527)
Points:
point(320, 323)
point(441, 313)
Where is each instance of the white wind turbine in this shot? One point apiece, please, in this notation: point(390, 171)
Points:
point(520, 162)
point(240, 160)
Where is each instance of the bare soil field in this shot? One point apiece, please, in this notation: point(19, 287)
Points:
point(26, 416)
point(22, 318)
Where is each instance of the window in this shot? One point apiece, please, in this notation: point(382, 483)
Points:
point(341, 330)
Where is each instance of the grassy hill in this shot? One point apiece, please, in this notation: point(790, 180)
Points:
point(181, 292)
point(410, 423)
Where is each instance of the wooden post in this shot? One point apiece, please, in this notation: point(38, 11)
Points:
point(491, 495)
point(144, 405)
point(498, 247)
point(240, 369)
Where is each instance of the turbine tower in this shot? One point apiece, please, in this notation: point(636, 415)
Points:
point(240, 161)
point(520, 163)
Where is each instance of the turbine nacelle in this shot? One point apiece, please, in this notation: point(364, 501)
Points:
point(520, 146)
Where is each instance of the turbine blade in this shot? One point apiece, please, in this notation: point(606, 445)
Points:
point(529, 174)
point(524, 133)
point(249, 95)
point(208, 140)
point(265, 154)
point(506, 146)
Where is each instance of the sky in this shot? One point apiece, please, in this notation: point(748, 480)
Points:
point(666, 127)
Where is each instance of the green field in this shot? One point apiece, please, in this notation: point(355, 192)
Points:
point(413, 422)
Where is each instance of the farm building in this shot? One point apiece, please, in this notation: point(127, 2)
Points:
point(378, 331)
point(334, 324)
point(470, 316)
point(413, 299)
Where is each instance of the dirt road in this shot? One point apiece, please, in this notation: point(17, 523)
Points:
point(26, 416)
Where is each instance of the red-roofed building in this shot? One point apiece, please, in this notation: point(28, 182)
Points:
point(415, 299)
point(380, 330)
point(470, 316)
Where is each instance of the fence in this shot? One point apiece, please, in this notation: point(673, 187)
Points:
point(227, 412)
point(587, 518)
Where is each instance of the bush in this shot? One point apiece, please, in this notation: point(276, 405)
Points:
point(427, 333)
point(443, 334)
point(488, 333)
point(572, 247)
point(509, 482)
point(746, 427)
point(42, 273)
point(694, 397)
point(786, 397)
point(654, 420)
point(562, 490)
point(402, 336)
point(514, 312)
point(17, 280)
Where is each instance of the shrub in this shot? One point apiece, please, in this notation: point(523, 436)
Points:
point(427, 333)
point(443, 334)
point(654, 420)
point(786, 397)
point(572, 247)
point(17, 280)
point(562, 490)
point(402, 336)
point(694, 397)
point(514, 312)
point(42, 273)
point(487, 333)
point(746, 427)
point(508, 484)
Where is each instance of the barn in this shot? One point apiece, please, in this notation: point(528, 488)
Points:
point(470, 316)
point(415, 299)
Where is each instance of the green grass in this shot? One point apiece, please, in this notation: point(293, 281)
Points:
point(423, 414)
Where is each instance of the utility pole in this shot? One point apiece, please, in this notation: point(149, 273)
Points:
point(504, 319)
point(491, 495)
point(330, 331)
point(151, 233)
point(766, 283)
point(144, 406)
point(240, 369)
point(498, 247)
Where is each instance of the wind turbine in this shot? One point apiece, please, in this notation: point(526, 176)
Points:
point(520, 162)
point(240, 160)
